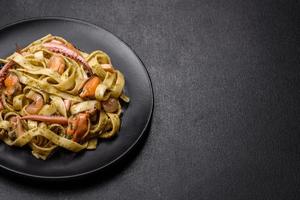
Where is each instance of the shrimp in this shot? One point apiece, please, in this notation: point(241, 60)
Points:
point(37, 103)
point(56, 63)
point(12, 85)
point(90, 87)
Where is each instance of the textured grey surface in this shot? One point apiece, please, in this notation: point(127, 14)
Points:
point(226, 83)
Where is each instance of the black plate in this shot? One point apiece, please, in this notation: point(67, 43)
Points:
point(136, 117)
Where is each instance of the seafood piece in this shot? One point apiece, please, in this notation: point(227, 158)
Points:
point(4, 70)
point(78, 126)
point(37, 103)
point(69, 51)
point(56, 63)
point(47, 119)
point(110, 105)
point(12, 85)
point(90, 87)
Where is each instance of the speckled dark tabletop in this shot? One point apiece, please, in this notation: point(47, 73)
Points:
point(226, 81)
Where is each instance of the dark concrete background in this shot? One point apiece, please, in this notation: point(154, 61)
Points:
point(226, 82)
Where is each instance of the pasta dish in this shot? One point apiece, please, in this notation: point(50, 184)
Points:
point(55, 96)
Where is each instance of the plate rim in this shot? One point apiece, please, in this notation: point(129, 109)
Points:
point(123, 154)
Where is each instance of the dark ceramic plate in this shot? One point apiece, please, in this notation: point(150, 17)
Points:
point(136, 117)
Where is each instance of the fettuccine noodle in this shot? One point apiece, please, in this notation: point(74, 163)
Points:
point(55, 96)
